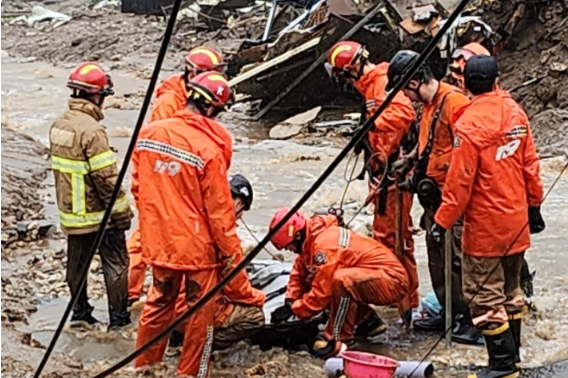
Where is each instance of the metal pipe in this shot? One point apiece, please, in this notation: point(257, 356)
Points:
point(269, 21)
point(448, 284)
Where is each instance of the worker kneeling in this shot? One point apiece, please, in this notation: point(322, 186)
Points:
point(348, 272)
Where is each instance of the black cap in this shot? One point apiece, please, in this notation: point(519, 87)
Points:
point(241, 188)
point(481, 68)
point(399, 64)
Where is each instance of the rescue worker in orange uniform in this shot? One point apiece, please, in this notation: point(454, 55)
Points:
point(349, 62)
point(171, 96)
point(187, 219)
point(85, 173)
point(348, 272)
point(459, 58)
point(494, 183)
point(238, 312)
point(442, 106)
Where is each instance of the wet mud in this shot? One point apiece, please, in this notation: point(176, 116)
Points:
point(34, 292)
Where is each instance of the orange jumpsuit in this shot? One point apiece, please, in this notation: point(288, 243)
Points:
point(170, 97)
point(350, 272)
point(493, 178)
point(385, 139)
point(187, 228)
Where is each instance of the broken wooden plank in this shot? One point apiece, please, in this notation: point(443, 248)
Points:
point(317, 62)
point(273, 62)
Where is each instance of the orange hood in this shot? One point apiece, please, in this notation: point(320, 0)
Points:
point(365, 81)
point(213, 129)
point(174, 83)
point(315, 225)
point(496, 115)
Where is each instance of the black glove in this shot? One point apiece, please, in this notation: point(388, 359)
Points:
point(403, 165)
point(536, 223)
point(408, 185)
point(438, 233)
point(281, 314)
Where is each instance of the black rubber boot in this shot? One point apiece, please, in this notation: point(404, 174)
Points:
point(466, 333)
point(119, 320)
point(515, 321)
point(435, 324)
point(501, 349)
point(83, 313)
point(371, 327)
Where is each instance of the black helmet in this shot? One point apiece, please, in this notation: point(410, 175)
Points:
point(399, 64)
point(481, 68)
point(241, 188)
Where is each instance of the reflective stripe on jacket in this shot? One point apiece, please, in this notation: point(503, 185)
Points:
point(179, 182)
point(84, 168)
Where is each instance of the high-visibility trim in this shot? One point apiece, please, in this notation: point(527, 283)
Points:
point(69, 166)
point(340, 316)
point(174, 152)
point(492, 332)
point(344, 238)
point(79, 204)
point(91, 219)
point(102, 160)
point(202, 373)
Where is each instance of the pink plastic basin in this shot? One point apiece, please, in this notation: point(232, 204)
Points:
point(367, 365)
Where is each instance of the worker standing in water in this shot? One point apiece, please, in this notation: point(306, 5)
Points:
point(171, 96)
point(442, 106)
point(85, 173)
point(348, 62)
point(182, 160)
point(494, 183)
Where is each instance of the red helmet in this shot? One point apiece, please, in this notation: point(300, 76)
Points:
point(202, 59)
point(343, 56)
point(461, 56)
point(90, 77)
point(212, 87)
point(286, 233)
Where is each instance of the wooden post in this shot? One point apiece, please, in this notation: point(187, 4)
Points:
point(448, 252)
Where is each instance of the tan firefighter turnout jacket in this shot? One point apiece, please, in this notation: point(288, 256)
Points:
point(85, 169)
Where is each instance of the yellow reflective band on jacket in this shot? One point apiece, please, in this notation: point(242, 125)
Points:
point(78, 169)
point(69, 166)
point(91, 219)
point(78, 194)
point(102, 160)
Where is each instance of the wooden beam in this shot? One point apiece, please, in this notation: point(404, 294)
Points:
point(317, 62)
point(273, 62)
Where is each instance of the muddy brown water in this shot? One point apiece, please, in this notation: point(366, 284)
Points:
point(34, 94)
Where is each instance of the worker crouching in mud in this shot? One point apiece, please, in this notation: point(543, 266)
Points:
point(187, 219)
point(336, 269)
point(171, 96)
point(348, 62)
point(494, 183)
point(238, 310)
point(442, 106)
point(85, 173)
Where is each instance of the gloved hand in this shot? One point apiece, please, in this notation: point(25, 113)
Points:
point(408, 185)
point(438, 233)
point(536, 223)
point(227, 264)
point(122, 220)
point(281, 314)
point(403, 165)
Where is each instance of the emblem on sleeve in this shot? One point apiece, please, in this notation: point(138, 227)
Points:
point(320, 258)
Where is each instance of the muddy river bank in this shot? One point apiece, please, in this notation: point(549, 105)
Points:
point(34, 292)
